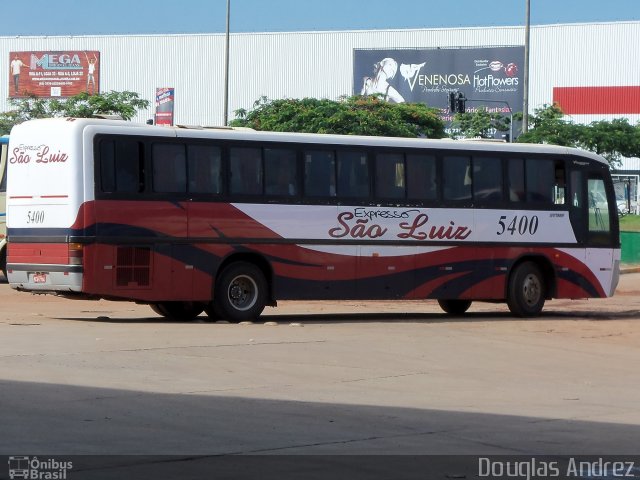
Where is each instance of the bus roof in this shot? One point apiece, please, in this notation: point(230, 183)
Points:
point(227, 133)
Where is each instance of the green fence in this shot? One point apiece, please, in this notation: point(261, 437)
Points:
point(630, 247)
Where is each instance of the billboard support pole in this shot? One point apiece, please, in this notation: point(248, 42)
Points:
point(226, 67)
point(525, 93)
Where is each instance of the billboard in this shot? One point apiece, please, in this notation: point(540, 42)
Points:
point(165, 100)
point(488, 77)
point(54, 73)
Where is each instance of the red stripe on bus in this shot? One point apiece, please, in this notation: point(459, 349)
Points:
point(597, 100)
point(39, 253)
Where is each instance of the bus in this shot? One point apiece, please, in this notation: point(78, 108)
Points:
point(4, 148)
point(228, 221)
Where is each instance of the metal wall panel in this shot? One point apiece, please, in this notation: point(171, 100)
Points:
point(320, 64)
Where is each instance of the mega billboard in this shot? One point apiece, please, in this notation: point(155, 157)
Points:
point(488, 77)
point(54, 73)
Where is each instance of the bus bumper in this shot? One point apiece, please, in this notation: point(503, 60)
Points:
point(45, 278)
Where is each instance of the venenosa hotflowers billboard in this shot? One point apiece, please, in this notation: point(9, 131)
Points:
point(490, 77)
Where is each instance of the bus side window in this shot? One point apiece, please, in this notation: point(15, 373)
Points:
point(121, 166)
point(577, 190)
point(456, 178)
point(319, 174)
point(246, 170)
point(487, 179)
point(577, 211)
point(540, 176)
point(390, 176)
point(515, 179)
point(169, 166)
point(421, 177)
point(353, 174)
point(205, 169)
point(560, 185)
point(107, 159)
point(280, 172)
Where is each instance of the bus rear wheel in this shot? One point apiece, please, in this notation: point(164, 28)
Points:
point(214, 316)
point(527, 290)
point(240, 293)
point(454, 307)
point(182, 311)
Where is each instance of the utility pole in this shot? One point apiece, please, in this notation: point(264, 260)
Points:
point(525, 95)
point(226, 67)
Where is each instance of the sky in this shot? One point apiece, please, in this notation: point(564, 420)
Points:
point(99, 17)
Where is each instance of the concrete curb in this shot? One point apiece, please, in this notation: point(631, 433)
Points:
point(624, 270)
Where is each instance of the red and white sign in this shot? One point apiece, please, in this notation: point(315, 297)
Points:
point(54, 73)
point(165, 100)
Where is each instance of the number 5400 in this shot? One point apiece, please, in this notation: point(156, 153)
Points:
point(35, 216)
point(521, 225)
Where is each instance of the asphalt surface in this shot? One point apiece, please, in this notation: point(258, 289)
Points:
point(320, 378)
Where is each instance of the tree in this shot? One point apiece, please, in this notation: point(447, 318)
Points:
point(548, 126)
point(611, 139)
point(480, 123)
point(8, 120)
point(356, 115)
point(125, 104)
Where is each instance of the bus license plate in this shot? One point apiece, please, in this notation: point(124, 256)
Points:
point(39, 278)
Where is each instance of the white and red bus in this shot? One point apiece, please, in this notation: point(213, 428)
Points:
point(229, 221)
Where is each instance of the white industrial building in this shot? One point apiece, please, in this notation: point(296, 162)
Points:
point(321, 65)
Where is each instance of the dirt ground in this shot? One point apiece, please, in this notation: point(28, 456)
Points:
point(83, 377)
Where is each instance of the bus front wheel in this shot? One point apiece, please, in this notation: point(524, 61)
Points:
point(527, 290)
point(454, 307)
point(240, 293)
point(182, 311)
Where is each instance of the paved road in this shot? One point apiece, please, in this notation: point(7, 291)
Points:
point(82, 377)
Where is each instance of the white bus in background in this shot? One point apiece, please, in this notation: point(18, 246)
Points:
point(4, 145)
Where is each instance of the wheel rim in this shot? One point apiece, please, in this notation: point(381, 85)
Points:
point(243, 292)
point(531, 290)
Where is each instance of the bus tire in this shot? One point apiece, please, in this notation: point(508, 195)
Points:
point(527, 290)
point(240, 293)
point(182, 311)
point(454, 307)
point(210, 310)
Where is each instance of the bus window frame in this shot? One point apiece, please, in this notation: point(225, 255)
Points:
point(301, 196)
